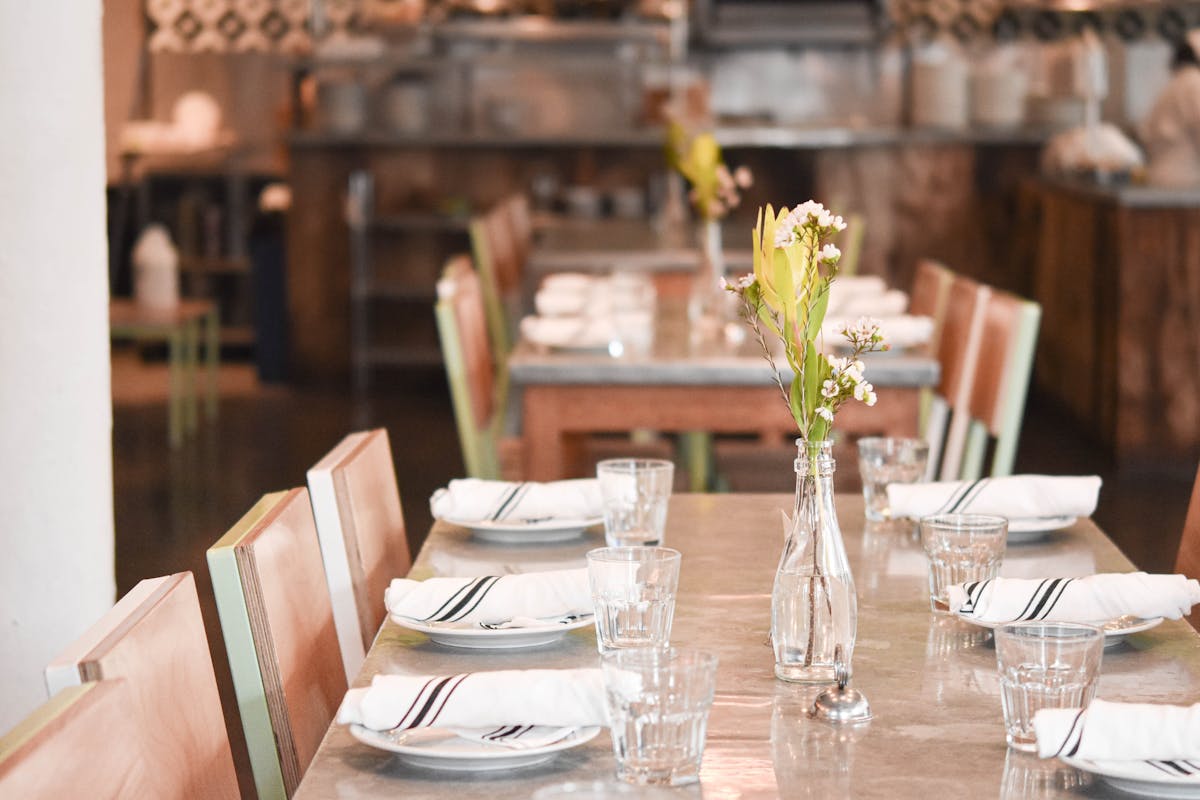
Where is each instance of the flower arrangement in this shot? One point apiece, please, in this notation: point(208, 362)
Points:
point(787, 294)
point(714, 189)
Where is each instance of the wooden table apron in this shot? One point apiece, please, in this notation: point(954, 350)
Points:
point(556, 417)
point(932, 682)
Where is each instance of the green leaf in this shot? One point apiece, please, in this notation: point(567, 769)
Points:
point(785, 288)
point(816, 315)
point(812, 378)
point(796, 402)
point(820, 430)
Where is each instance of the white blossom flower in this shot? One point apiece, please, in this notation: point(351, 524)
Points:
point(743, 177)
point(830, 253)
point(837, 364)
point(825, 413)
point(785, 235)
point(740, 284)
point(854, 373)
point(830, 389)
point(865, 393)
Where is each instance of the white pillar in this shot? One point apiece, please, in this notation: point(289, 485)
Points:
point(56, 518)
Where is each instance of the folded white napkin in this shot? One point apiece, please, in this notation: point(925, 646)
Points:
point(569, 281)
point(1120, 731)
point(891, 303)
point(573, 331)
point(1096, 598)
point(477, 500)
point(1013, 496)
point(559, 303)
point(492, 599)
point(899, 331)
point(479, 700)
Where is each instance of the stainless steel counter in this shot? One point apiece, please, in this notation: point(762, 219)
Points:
point(932, 681)
point(730, 136)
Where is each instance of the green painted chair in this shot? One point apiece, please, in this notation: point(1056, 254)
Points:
point(997, 401)
point(478, 380)
point(277, 621)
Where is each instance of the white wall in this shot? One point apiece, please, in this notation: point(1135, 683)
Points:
point(56, 523)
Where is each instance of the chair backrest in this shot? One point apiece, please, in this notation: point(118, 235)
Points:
point(476, 386)
point(83, 742)
point(498, 258)
point(283, 650)
point(929, 295)
point(958, 355)
point(360, 525)
point(1187, 561)
point(520, 221)
point(997, 400)
point(154, 639)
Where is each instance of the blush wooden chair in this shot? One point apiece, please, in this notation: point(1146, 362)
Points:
point(929, 295)
point(1187, 560)
point(276, 617)
point(497, 255)
point(997, 401)
point(520, 220)
point(154, 639)
point(478, 381)
point(958, 356)
point(83, 742)
point(360, 526)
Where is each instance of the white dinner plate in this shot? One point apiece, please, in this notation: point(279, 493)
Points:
point(1031, 529)
point(470, 635)
point(522, 532)
point(1115, 630)
point(437, 748)
point(1144, 778)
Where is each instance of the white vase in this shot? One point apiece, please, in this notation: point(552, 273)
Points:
point(155, 270)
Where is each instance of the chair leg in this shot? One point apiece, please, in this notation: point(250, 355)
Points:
point(175, 387)
point(698, 452)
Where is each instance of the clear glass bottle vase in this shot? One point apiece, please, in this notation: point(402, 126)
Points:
point(814, 611)
point(708, 301)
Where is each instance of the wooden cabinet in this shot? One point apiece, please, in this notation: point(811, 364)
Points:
point(1118, 275)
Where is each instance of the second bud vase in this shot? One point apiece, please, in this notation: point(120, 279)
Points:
point(814, 610)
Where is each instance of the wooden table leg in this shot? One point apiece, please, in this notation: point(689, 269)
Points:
point(212, 356)
point(191, 355)
point(175, 386)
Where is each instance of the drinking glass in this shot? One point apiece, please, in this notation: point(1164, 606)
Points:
point(633, 591)
point(658, 703)
point(961, 548)
point(635, 492)
point(883, 460)
point(1044, 665)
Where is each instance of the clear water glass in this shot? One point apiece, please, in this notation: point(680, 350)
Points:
point(1044, 665)
point(658, 704)
point(633, 592)
point(635, 494)
point(961, 548)
point(883, 460)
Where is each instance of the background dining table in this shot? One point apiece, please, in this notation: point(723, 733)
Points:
point(683, 382)
point(931, 679)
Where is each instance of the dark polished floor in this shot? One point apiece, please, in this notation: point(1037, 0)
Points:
point(171, 505)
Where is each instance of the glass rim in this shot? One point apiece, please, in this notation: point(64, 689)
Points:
point(635, 464)
point(1042, 629)
point(628, 554)
point(909, 441)
point(970, 523)
point(666, 656)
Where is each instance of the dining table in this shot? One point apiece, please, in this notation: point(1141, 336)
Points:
point(682, 382)
point(936, 729)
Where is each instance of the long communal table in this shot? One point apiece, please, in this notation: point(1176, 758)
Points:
point(931, 680)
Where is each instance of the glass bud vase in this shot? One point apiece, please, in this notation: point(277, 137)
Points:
point(814, 611)
point(707, 302)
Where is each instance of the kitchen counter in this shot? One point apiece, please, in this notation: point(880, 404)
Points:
point(730, 136)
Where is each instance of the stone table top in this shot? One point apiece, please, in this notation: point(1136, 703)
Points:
point(931, 679)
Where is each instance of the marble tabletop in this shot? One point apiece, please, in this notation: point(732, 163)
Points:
point(676, 356)
point(931, 679)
